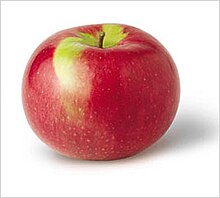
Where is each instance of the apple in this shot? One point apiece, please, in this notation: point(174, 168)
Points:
point(100, 92)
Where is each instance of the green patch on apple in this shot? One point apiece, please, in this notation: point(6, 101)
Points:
point(70, 49)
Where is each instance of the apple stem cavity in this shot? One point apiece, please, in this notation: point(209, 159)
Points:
point(101, 38)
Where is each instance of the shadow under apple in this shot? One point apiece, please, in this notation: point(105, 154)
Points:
point(187, 131)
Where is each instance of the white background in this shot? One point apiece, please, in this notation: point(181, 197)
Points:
point(184, 162)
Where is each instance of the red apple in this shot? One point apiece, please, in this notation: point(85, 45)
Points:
point(100, 92)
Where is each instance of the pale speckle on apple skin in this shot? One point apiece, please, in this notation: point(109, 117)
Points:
point(89, 149)
point(81, 151)
point(74, 134)
point(154, 128)
point(83, 135)
point(111, 148)
point(81, 138)
point(56, 120)
point(68, 117)
point(102, 137)
point(64, 132)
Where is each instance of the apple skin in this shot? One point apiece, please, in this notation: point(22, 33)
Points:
point(123, 100)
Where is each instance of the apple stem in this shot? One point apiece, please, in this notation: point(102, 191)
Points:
point(101, 38)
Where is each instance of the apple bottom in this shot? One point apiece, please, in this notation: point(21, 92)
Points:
point(108, 152)
point(100, 143)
